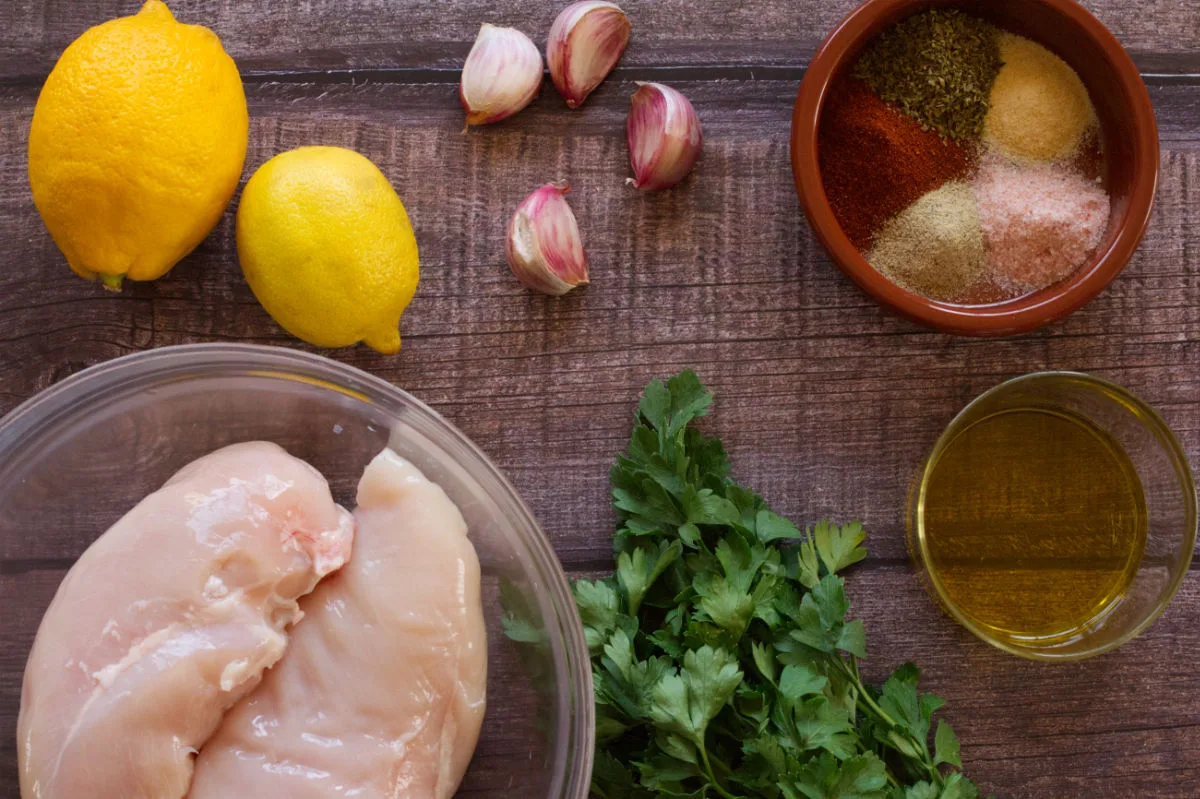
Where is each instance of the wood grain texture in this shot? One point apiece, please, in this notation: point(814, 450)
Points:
point(431, 34)
point(825, 402)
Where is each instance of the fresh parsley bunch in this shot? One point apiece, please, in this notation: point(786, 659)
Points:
point(723, 661)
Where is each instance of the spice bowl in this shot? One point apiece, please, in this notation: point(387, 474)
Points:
point(1127, 134)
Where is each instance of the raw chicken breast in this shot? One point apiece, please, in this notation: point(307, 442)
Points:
point(381, 694)
point(170, 618)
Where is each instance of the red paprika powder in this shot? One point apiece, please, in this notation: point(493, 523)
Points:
point(875, 161)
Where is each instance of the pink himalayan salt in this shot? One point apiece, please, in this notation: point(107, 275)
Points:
point(1040, 222)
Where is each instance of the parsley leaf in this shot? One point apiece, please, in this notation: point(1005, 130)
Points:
point(669, 408)
point(839, 547)
point(910, 712)
point(956, 786)
point(862, 777)
point(946, 746)
point(599, 609)
point(519, 617)
point(637, 572)
point(724, 661)
point(770, 526)
point(922, 790)
point(800, 681)
point(686, 701)
point(821, 620)
point(817, 724)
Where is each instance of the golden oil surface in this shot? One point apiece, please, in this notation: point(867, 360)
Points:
point(1034, 522)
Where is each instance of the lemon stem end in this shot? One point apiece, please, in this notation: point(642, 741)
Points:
point(157, 8)
point(384, 341)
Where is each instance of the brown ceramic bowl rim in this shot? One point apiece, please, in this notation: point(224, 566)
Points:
point(1014, 316)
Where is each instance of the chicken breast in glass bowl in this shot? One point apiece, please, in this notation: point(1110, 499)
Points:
point(79, 456)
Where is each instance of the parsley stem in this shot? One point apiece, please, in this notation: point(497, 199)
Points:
point(712, 779)
point(864, 698)
point(870, 706)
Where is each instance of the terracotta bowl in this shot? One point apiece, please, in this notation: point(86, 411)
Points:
point(1128, 132)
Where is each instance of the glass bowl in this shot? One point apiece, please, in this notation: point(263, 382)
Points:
point(77, 456)
point(1156, 472)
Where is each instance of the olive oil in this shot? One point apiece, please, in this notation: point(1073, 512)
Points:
point(1034, 522)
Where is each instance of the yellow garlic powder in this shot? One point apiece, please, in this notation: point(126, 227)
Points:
point(1039, 108)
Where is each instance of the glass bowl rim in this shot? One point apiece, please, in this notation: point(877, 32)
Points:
point(1183, 471)
point(130, 374)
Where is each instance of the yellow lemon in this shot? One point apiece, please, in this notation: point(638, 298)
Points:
point(137, 143)
point(327, 247)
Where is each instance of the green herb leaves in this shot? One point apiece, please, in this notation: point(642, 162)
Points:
point(938, 67)
point(946, 746)
point(723, 660)
point(820, 621)
point(685, 702)
point(636, 572)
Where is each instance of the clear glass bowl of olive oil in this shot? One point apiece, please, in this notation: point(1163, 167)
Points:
point(1055, 517)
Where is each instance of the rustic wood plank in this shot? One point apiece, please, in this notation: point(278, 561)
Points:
point(826, 402)
point(1162, 35)
point(1124, 724)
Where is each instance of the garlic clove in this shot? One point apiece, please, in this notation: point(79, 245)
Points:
point(585, 42)
point(544, 247)
point(502, 75)
point(664, 137)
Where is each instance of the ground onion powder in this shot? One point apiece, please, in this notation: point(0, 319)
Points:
point(935, 246)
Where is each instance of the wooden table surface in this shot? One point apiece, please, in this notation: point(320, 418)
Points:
point(825, 401)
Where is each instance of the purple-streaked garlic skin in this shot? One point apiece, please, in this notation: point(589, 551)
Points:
point(545, 250)
point(502, 75)
point(585, 43)
point(665, 137)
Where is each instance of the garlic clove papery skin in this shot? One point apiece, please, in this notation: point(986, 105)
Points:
point(544, 248)
point(585, 43)
point(665, 138)
point(502, 75)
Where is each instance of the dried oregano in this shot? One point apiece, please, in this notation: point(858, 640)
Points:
point(937, 67)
